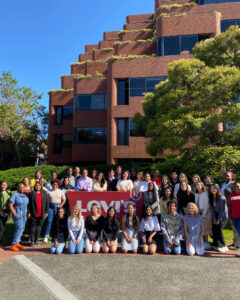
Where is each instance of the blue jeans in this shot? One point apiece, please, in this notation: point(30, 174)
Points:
point(19, 225)
point(236, 223)
point(59, 248)
point(72, 248)
point(168, 250)
point(52, 212)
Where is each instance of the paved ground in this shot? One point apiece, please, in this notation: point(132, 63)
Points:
point(126, 276)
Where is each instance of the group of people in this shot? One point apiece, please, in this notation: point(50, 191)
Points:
point(181, 210)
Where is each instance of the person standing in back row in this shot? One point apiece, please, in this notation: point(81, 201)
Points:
point(5, 195)
point(85, 183)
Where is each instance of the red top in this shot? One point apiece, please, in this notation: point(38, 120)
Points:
point(39, 205)
point(157, 181)
point(234, 201)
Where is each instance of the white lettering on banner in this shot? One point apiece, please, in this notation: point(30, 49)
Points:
point(105, 207)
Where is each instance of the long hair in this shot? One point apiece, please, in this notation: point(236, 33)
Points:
point(114, 221)
point(218, 195)
point(196, 209)
point(98, 208)
point(146, 216)
point(37, 183)
point(134, 217)
point(154, 190)
point(102, 180)
point(185, 177)
point(180, 191)
point(171, 196)
point(202, 185)
point(74, 215)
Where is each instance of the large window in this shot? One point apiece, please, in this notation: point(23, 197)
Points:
point(90, 102)
point(138, 86)
point(225, 24)
point(63, 113)
point(90, 135)
point(202, 2)
point(62, 141)
point(123, 92)
point(175, 45)
point(122, 131)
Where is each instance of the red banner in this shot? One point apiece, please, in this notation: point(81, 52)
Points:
point(119, 200)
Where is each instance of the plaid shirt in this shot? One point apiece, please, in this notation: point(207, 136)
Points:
point(172, 227)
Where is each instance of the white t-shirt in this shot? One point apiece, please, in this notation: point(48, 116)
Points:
point(149, 224)
point(124, 185)
point(202, 201)
point(56, 196)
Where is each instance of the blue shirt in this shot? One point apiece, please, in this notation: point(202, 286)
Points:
point(20, 203)
point(193, 225)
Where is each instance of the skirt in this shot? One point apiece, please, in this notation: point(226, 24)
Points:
point(129, 246)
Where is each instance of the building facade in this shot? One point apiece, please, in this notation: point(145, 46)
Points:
point(90, 117)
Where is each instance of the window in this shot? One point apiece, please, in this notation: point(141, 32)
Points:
point(63, 113)
point(122, 131)
point(90, 135)
point(123, 92)
point(90, 102)
point(175, 45)
point(202, 2)
point(139, 86)
point(225, 24)
point(62, 141)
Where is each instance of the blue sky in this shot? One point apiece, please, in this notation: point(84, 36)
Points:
point(39, 39)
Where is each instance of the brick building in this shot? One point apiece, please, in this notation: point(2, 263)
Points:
point(90, 117)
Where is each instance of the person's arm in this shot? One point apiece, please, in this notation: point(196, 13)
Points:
point(116, 231)
point(81, 230)
point(11, 205)
point(164, 231)
point(63, 199)
point(179, 233)
point(97, 187)
point(69, 222)
point(186, 233)
point(130, 186)
point(176, 190)
point(124, 229)
point(100, 227)
point(222, 207)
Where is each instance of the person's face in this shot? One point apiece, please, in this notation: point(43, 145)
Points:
point(125, 175)
point(94, 210)
point(133, 172)
point(184, 186)
point(167, 193)
point(148, 211)
point(191, 210)
point(182, 178)
point(76, 211)
point(194, 179)
point(77, 170)
point(213, 190)
point(237, 188)
point(139, 176)
point(111, 174)
point(54, 176)
point(198, 186)
point(228, 177)
point(94, 174)
point(100, 177)
point(61, 213)
point(26, 181)
point(69, 172)
point(164, 181)
point(147, 178)
point(119, 170)
point(66, 181)
point(38, 175)
point(207, 180)
point(21, 189)
point(150, 187)
point(38, 187)
point(111, 213)
point(4, 186)
point(156, 173)
point(174, 175)
point(85, 173)
point(55, 185)
point(172, 209)
point(130, 210)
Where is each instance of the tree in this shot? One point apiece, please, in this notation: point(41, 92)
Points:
point(21, 115)
point(192, 109)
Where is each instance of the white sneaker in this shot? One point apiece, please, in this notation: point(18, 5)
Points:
point(45, 240)
point(207, 246)
point(226, 249)
point(222, 249)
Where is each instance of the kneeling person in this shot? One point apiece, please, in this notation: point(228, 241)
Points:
point(172, 228)
point(59, 232)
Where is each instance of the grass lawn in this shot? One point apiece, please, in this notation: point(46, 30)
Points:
point(8, 234)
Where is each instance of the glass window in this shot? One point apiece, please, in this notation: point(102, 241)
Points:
point(90, 102)
point(202, 2)
point(122, 131)
point(67, 112)
point(90, 135)
point(225, 24)
point(131, 127)
point(123, 92)
point(67, 140)
point(58, 115)
point(58, 143)
point(188, 42)
point(171, 45)
point(139, 86)
point(152, 81)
